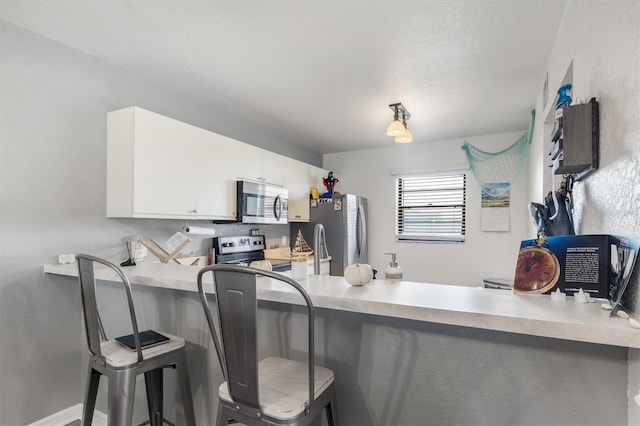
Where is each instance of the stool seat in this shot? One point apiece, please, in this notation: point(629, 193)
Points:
point(117, 355)
point(284, 386)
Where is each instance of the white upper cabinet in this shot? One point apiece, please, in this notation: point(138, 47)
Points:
point(259, 165)
point(297, 181)
point(274, 167)
point(158, 167)
point(299, 178)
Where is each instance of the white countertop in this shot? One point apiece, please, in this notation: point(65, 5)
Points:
point(475, 307)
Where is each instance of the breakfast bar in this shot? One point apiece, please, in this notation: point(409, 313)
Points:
point(476, 307)
point(436, 347)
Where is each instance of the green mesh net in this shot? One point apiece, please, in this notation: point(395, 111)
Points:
point(502, 166)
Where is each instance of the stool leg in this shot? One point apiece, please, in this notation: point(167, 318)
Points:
point(185, 388)
point(221, 418)
point(122, 389)
point(90, 394)
point(153, 382)
point(332, 409)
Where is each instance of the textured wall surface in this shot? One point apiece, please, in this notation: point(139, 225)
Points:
point(598, 48)
point(604, 60)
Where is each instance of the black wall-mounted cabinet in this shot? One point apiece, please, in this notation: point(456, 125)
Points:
point(576, 140)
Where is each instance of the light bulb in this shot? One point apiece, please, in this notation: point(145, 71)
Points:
point(405, 137)
point(395, 128)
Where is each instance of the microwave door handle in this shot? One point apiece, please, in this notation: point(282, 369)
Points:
point(277, 207)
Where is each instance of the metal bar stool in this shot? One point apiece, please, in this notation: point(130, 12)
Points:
point(274, 391)
point(122, 365)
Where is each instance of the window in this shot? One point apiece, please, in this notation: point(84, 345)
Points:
point(431, 208)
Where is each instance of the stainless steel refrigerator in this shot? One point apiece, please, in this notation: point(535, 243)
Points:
point(344, 218)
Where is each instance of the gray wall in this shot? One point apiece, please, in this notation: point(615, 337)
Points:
point(372, 173)
point(53, 106)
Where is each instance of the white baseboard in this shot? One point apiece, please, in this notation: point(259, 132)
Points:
point(68, 415)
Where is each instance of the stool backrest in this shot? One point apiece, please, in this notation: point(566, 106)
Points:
point(93, 324)
point(237, 349)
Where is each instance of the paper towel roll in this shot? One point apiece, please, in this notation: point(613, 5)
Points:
point(199, 230)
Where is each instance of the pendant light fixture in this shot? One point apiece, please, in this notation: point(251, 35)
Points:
point(398, 126)
point(395, 128)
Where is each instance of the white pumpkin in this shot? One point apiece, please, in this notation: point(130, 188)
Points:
point(265, 265)
point(358, 274)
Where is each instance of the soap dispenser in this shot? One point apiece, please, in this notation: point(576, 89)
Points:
point(393, 271)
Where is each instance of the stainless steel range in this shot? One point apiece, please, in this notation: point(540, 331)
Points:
point(242, 250)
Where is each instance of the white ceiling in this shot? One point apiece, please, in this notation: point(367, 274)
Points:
point(321, 73)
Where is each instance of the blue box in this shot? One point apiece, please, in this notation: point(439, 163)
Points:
point(600, 265)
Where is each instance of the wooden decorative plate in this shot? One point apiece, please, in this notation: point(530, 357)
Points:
point(537, 270)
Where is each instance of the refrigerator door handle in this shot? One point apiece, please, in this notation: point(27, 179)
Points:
point(361, 229)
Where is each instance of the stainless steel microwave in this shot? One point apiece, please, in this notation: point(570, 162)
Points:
point(261, 203)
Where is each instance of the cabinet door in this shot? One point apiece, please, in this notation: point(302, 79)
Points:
point(297, 181)
point(167, 174)
point(273, 167)
point(217, 190)
point(248, 162)
point(259, 165)
point(161, 168)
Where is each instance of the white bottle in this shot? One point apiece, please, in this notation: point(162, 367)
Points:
point(393, 271)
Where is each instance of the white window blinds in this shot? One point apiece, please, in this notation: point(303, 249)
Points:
point(431, 208)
